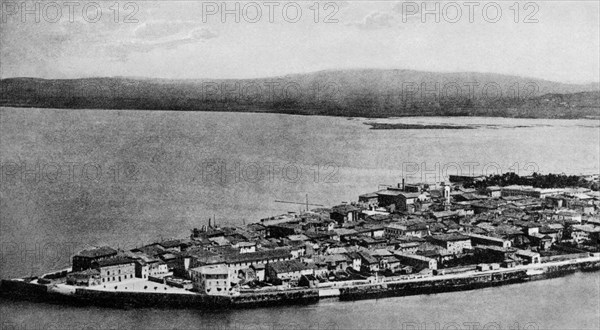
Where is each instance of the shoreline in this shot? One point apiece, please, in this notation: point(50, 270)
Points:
point(411, 285)
point(309, 114)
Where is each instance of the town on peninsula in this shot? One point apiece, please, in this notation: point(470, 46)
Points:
point(403, 239)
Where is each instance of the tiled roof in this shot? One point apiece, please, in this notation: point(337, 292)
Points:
point(257, 256)
point(290, 266)
point(120, 260)
point(87, 272)
point(344, 208)
point(450, 237)
point(99, 252)
point(367, 257)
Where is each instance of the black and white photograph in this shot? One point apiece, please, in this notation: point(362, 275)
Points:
point(302, 164)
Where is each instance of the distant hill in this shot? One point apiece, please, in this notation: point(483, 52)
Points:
point(351, 93)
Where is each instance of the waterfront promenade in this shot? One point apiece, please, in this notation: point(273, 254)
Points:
point(335, 290)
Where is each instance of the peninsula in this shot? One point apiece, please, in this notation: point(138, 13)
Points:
point(404, 239)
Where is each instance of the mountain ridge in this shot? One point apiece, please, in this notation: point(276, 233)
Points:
point(352, 93)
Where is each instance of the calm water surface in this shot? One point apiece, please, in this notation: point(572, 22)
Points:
point(75, 179)
point(565, 303)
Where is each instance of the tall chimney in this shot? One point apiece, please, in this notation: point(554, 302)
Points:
point(403, 186)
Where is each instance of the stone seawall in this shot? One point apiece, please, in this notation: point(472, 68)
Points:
point(20, 289)
point(37, 292)
point(462, 283)
point(307, 296)
point(148, 299)
point(431, 286)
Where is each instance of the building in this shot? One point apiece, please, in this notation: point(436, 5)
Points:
point(289, 270)
point(477, 239)
point(391, 263)
point(543, 242)
point(494, 253)
point(84, 259)
point(389, 197)
point(415, 260)
point(585, 233)
point(212, 280)
point(334, 261)
point(246, 247)
point(444, 215)
point(494, 191)
point(368, 262)
point(413, 187)
point(568, 215)
point(172, 245)
point(283, 230)
point(453, 243)
point(238, 261)
point(149, 267)
point(343, 234)
point(529, 228)
point(369, 243)
point(530, 257)
point(88, 277)
point(115, 269)
point(356, 260)
point(529, 191)
point(407, 247)
point(410, 202)
point(344, 213)
point(260, 272)
point(487, 206)
point(370, 200)
point(399, 229)
point(374, 231)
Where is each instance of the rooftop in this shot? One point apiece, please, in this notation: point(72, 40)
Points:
point(257, 256)
point(369, 195)
point(290, 266)
point(103, 251)
point(450, 237)
point(344, 208)
point(212, 269)
point(120, 260)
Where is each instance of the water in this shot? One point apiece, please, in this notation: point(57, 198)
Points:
point(75, 179)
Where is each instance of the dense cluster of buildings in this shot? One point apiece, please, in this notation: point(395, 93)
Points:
point(400, 230)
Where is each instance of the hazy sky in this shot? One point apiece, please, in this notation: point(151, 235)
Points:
point(554, 40)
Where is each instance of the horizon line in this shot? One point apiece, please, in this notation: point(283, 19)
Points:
point(307, 73)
